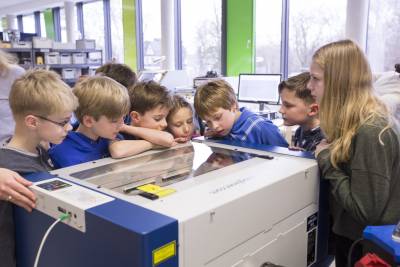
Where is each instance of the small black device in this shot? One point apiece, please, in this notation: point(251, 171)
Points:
point(148, 195)
point(211, 74)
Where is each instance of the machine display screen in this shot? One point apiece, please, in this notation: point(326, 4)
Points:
point(53, 185)
point(162, 168)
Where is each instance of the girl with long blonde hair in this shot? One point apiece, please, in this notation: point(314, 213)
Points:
point(361, 154)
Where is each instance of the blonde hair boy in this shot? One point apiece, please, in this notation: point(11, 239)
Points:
point(214, 95)
point(215, 102)
point(41, 92)
point(42, 105)
point(101, 96)
point(103, 103)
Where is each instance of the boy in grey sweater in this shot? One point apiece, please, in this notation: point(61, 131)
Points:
point(42, 105)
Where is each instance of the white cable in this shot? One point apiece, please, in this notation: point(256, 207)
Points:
point(44, 240)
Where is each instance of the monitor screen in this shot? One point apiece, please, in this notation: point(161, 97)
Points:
point(259, 88)
point(27, 36)
point(146, 76)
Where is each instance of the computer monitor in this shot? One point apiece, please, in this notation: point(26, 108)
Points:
point(259, 88)
point(145, 76)
point(27, 36)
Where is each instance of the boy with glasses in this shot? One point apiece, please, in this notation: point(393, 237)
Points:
point(42, 105)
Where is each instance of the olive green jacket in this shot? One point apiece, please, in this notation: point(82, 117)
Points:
point(366, 189)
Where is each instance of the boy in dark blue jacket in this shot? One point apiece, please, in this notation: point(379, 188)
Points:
point(299, 108)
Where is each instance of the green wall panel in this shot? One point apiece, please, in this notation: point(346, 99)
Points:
point(129, 26)
point(4, 23)
point(49, 25)
point(240, 37)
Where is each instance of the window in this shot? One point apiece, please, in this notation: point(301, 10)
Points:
point(151, 10)
point(28, 22)
point(93, 23)
point(312, 25)
point(117, 34)
point(383, 35)
point(42, 25)
point(14, 23)
point(201, 36)
point(63, 25)
point(268, 17)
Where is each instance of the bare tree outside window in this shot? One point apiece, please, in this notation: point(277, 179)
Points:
point(383, 34)
point(268, 36)
point(94, 23)
point(28, 22)
point(312, 25)
point(152, 34)
point(117, 32)
point(201, 36)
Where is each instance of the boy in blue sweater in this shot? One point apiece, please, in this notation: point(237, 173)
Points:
point(103, 103)
point(216, 103)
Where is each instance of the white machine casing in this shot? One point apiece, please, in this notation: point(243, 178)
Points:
point(246, 214)
point(71, 199)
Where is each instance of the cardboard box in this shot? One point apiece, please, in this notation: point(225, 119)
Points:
point(21, 45)
point(78, 58)
point(94, 58)
point(71, 73)
point(65, 58)
point(63, 46)
point(39, 42)
point(52, 58)
point(92, 71)
point(85, 44)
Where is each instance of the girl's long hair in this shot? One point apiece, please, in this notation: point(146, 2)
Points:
point(6, 60)
point(348, 101)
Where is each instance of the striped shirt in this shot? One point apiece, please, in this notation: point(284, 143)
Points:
point(255, 129)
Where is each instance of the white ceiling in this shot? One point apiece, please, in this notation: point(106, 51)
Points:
point(17, 7)
point(5, 4)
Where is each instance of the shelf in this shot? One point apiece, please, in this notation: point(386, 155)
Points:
point(13, 50)
point(66, 50)
point(69, 66)
point(50, 50)
point(34, 53)
point(76, 50)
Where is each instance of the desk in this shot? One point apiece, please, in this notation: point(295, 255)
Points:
point(382, 237)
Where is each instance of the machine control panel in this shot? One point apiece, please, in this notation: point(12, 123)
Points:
point(56, 197)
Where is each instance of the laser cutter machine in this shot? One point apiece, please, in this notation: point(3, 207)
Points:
point(197, 204)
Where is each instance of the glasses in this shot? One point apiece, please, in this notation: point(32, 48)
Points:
point(61, 124)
